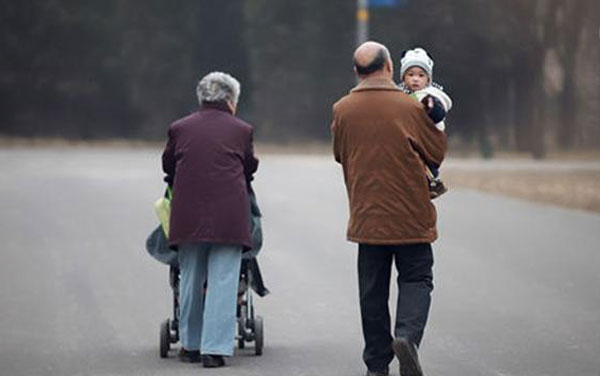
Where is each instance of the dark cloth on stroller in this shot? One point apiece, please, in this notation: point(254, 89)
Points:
point(157, 246)
point(256, 281)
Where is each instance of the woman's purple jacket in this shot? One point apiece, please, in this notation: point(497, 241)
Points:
point(209, 161)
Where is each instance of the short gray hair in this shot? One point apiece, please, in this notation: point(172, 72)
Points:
point(218, 87)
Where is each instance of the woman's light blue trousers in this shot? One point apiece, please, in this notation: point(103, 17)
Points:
point(208, 322)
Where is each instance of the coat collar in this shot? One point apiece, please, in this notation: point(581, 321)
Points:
point(375, 83)
point(221, 106)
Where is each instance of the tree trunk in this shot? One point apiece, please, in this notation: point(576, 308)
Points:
point(570, 32)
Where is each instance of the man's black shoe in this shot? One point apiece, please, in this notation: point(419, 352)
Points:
point(406, 352)
point(192, 356)
point(213, 361)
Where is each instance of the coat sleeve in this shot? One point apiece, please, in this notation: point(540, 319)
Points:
point(168, 159)
point(426, 139)
point(250, 160)
point(335, 136)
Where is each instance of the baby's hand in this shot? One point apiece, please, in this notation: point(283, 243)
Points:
point(434, 108)
point(428, 102)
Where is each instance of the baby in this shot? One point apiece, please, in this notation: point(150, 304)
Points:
point(416, 71)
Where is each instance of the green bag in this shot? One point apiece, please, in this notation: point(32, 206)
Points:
point(162, 207)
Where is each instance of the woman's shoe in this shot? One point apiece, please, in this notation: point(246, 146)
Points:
point(213, 361)
point(187, 356)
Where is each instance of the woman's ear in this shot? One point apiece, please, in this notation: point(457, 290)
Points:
point(232, 107)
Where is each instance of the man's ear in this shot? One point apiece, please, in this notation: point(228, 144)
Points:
point(390, 65)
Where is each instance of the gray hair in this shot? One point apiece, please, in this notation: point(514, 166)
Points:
point(218, 87)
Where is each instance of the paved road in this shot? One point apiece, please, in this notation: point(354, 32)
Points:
point(516, 283)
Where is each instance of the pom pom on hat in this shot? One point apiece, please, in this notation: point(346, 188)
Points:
point(417, 57)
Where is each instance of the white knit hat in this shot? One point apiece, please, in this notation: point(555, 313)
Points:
point(416, 58)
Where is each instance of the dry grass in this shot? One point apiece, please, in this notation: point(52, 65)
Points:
point(262, 148)
point(23, 142)
point(306, 148)
point(572, 189)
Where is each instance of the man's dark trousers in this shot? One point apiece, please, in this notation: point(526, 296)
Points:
point(414, 264)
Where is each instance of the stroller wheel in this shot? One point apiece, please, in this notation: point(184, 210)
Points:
point(165, 338)
point(258, 335)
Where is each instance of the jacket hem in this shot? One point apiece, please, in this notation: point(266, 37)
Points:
point(391, 241)
point(243, 243)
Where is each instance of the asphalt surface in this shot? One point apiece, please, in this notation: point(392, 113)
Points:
point(517, 283)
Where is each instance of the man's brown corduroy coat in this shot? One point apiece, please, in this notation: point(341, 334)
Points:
point(382, 137)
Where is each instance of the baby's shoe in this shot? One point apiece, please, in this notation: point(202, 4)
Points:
point(436, 188)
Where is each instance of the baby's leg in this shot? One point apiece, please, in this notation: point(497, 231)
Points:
point(435, 171)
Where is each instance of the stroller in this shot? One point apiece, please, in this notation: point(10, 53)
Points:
point(249, 325)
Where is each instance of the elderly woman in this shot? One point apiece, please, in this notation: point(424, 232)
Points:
point(209, 162)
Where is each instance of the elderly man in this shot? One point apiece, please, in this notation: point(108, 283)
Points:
point(209, 161)
point(382, 137)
